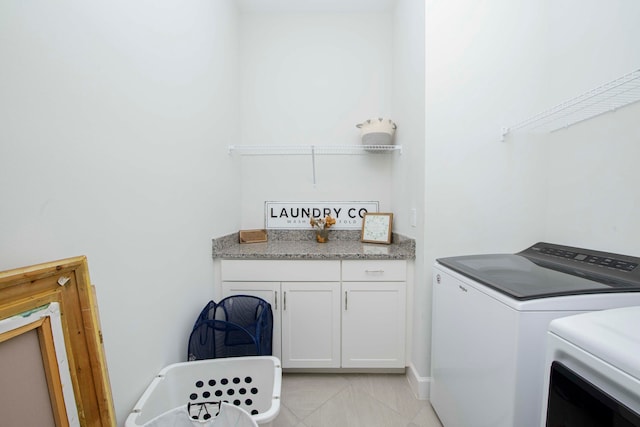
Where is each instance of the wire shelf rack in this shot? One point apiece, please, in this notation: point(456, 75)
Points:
point(311, 150)
point(608, 97)
point(279, 150)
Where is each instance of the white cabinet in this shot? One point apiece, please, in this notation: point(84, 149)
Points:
point(373, 314)
point(311, 325)
point(305, 299)
point(329, 314)
point(373, 325)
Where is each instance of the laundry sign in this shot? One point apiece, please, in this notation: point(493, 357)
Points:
point(296, 215)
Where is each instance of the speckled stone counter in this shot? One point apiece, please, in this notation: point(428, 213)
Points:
point(301, 244)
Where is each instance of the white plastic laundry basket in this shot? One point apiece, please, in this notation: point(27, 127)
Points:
point(226, 415)
point(251, 383)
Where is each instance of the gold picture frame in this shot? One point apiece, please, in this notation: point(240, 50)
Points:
point(376, 228)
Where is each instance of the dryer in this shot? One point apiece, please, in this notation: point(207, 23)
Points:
point(592, 374)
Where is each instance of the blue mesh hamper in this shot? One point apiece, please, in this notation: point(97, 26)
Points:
point(239, 325)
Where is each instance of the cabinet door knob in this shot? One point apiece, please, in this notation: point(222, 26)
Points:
point(276, 300)
point(346, 301)
point(284, 300)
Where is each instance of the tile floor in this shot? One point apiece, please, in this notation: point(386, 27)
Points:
point(351, 400)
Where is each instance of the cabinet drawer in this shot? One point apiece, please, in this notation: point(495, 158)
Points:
point(372, 270)
point(280, 270)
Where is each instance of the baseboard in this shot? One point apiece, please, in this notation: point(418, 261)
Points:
point(420, 385)
point(346, 370)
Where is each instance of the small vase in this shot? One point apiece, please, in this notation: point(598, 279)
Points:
point(322, 235)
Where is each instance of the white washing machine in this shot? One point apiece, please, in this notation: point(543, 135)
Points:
point(490, 319)
point(592, 376)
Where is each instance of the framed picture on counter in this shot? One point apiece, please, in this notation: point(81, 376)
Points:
point(376, 228)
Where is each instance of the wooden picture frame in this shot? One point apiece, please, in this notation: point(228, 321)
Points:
point(65, 282)
point(376, 228)
point(26, 369)
point(253, 236)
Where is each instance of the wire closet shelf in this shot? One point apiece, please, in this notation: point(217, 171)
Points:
point(608, 97)
point(311, 150)
point(279, 150)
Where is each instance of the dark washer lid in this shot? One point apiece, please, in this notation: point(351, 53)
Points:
point(548, 270)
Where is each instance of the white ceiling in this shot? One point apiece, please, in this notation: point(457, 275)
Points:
point(328, 6)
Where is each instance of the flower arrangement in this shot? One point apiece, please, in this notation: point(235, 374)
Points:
point(322, 226)
point(322, 223)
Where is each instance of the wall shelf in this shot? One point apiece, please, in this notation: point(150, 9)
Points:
point(312, 150)
point(610, 96)
point(280, 150)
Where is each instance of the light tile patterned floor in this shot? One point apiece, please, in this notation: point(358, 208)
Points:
point(351, 400)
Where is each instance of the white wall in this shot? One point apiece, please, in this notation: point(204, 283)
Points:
point(483, 63)
point(593, 202)
point(408, 103)
point(493, 63)
point(309, 78)
point(483, 60)
point(115, 119)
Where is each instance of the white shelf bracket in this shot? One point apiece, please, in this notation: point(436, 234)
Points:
point(313, 163)
point(505, 132)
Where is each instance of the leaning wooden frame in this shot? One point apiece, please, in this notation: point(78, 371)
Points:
point(65, 282)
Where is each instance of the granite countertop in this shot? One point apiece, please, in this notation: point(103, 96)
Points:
point(301, 244)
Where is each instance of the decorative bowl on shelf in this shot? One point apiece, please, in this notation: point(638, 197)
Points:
point(377, 131)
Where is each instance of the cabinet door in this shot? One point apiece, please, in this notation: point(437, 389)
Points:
point(268, 291)
point(373, 324)
point(310, 324)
